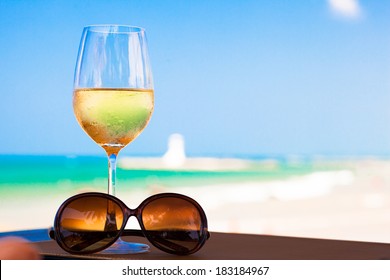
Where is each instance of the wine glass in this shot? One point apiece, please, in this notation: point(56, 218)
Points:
point(113, 96)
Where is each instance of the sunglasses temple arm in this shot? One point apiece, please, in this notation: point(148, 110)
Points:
point(136, 232)
point(51, 233)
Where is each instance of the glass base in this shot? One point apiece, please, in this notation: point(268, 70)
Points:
point(123, 247)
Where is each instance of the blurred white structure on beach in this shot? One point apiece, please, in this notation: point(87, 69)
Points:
point(175, 159)
point(175, 156)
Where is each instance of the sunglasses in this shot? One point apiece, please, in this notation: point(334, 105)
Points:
point(91, 222)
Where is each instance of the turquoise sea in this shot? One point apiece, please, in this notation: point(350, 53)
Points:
point(41, 174)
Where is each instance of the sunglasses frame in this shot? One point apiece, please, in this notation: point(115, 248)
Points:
point(55, 233)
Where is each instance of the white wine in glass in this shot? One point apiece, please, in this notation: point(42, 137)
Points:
point(113, 117)
point(113, 96)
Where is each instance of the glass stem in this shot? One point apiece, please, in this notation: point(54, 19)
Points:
point(112, 173)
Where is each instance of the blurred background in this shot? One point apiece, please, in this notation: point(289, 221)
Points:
point(280, 111)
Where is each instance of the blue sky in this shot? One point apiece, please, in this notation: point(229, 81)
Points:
point(234, 77)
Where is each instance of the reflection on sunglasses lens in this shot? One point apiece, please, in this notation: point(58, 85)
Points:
point(90, 223)
point(173, 224)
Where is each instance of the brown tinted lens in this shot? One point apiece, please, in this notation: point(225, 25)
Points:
point(173, 224)
point(90, 223)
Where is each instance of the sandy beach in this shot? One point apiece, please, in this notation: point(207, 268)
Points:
point(350, 204)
